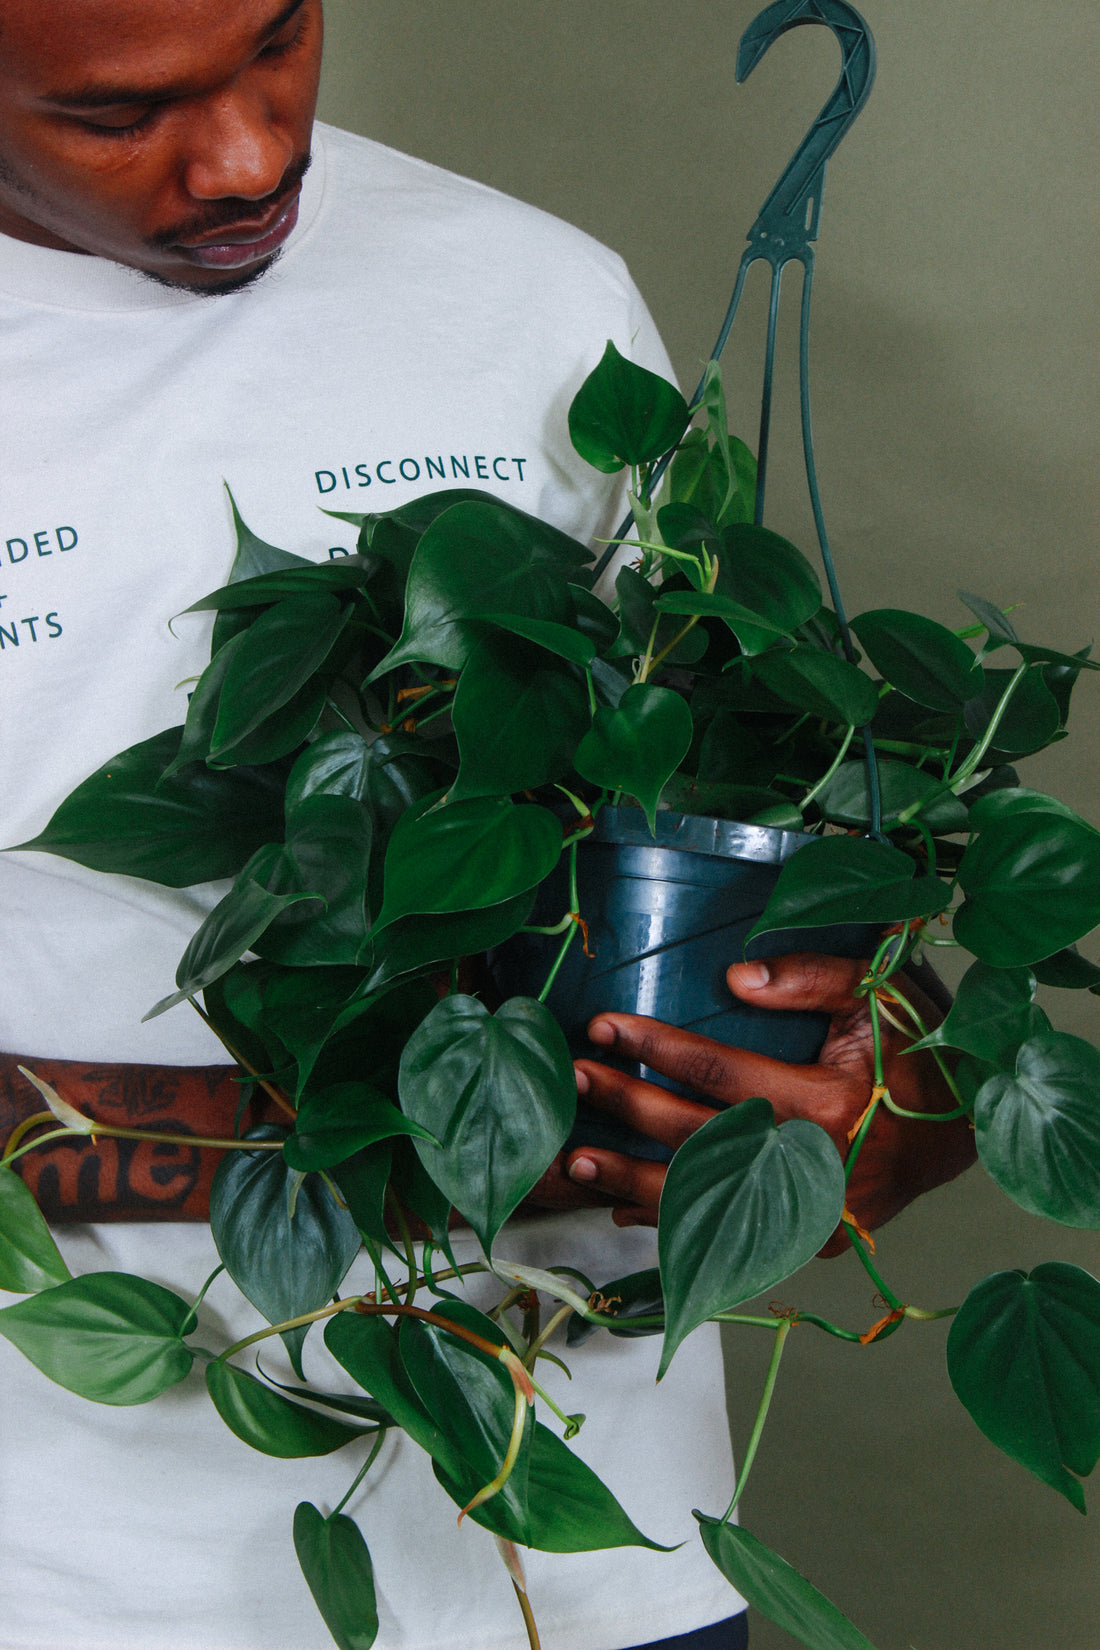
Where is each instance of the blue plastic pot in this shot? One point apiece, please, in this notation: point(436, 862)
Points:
point(665, 920)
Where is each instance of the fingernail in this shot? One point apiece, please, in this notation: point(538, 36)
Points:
point(601, 1031)
point(752, 975)
point(582, 1080)
point(583, 1168)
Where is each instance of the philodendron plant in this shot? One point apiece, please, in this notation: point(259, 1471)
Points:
point(388, 754)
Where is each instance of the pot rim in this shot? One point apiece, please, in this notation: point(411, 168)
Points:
point(627, 826)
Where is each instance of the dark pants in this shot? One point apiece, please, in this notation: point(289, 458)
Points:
point(723, 1635)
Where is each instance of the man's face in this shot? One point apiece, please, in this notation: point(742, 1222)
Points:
point(168, 135)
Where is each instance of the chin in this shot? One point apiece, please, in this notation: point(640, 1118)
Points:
point(213, 285)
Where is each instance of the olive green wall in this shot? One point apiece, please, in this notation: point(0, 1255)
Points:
point(955, 410)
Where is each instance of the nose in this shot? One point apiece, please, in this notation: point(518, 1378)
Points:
point(237, 148)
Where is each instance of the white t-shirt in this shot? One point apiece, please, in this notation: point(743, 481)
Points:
point(419, 331)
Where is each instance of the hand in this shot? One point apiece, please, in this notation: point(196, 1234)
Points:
point(899, 1159)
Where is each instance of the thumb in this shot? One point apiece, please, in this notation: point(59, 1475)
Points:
point(803, 980)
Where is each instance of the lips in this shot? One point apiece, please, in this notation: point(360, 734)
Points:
point(237, 247)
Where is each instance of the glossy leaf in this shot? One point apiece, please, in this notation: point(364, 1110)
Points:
point(335, 1123)
point(1024, 1358)
point(641, 606)
point(498, 1092)
point(411, 943)
point(570, 1510)
point(840, 879)
point(467, 856)
point(638, 746)
point(1038, 1129)
point(231, 928)
point(361, 1181)
point(326, 854)
point(994, 1011)
point(336, 764)
point(265, 589)
point(338, 1571)
point(29, 1258)
point(1031, 880)
point(197, 826)
point(846, 798)
point(476, 559)
point(1068, 970)
point(368, 1349)
point(519, 714)
point(563, 640)
point(753, 633)
point(819, 683)
point(1031, 718)
point(472, 1398)
point(276, 657)
point(767, 575)
point(108, 1336)
point(776, 1589)
point(922, 659)
point(270, 1423)
point(253, 556)
point(285, 1264)
point(744, 1205)
point(625, 414)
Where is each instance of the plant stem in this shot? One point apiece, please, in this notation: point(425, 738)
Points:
point(825, 778)
point(528, 1618)
point(782, 1330)
point(360, 1475)
point(43, 1140)
point(872, 1272)
point(24, 1128)
point(238, 1059)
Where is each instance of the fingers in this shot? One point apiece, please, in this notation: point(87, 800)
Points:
point(631, 1181)
point(653, 1111)
point(800, 981)
point(713, 1069)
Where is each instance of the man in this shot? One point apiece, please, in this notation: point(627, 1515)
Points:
point(186, 298)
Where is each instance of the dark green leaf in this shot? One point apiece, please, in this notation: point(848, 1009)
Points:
point(274, 659)
point(640, 607)
point(476, 559)
point(753, 633)
point(195, 827)
point(1024, 1358)
point(624, 414)
point(361, 1181)
point(777, 1590)
point(1038, 1129)
point(819, 683)
point(846, 797)
point(993, 1013)
point(411, 943)
point(519, 715)
point(467, 856)
point(270, 1423)
point(337, 764)
point(327, 854)
point(253, 555)
point(29, 1258)
point(922, 659)
point(338, 1571)
point(108, 1336)
point(232, 928)
point(498, 1093)
point(767, 575)
point(744, 1205)
point(570, 1510)
point(1031, 719)
point(638, 746)
point(367, 1348)
point(563, 640)
point(1068, 970)
point(841, 879)
point(1031, 880)
point(995, 621)
point(285, 1264)
point(314, 578)
point(335, 1123)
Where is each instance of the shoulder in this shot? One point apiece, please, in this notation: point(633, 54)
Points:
point(393, 198)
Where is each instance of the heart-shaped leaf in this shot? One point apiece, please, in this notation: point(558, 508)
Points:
point(1024, 1358)
point(1038, 1129)
point(776, 1589)
point(638, 746)
point(819, 683)
point(108, 1336)
point(744, 1205)
point(519, 715)
point(625, 414)
point(498, 1092)
point(338, 1571)
point(841, 879)
point(1032, 882)
point(993, 1013)
point(922, 659)
point(29, 1258)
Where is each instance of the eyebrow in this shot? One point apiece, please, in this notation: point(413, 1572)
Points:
point(98, 96)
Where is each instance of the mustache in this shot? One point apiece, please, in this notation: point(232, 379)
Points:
point(233, 210)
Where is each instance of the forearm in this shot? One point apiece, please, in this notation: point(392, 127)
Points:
point(102, 1179)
